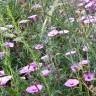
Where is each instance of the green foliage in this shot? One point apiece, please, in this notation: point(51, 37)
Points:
point(53, 13)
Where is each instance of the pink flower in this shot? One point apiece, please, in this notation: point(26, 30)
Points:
point(88, 76)
point(90, 5)
point(86, 1)
point(71, 83)
point(53, 33)
point(4, 80)
point(2, 73)
point(88, 19)
point(84, 62)
point(33, 89)
point(75, 67)
point(45, 73)
point(8, 44)
point(28, 69)
point(33, 18)
point(39, 46)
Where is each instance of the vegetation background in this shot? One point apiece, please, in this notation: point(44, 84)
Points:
point(51, 14)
